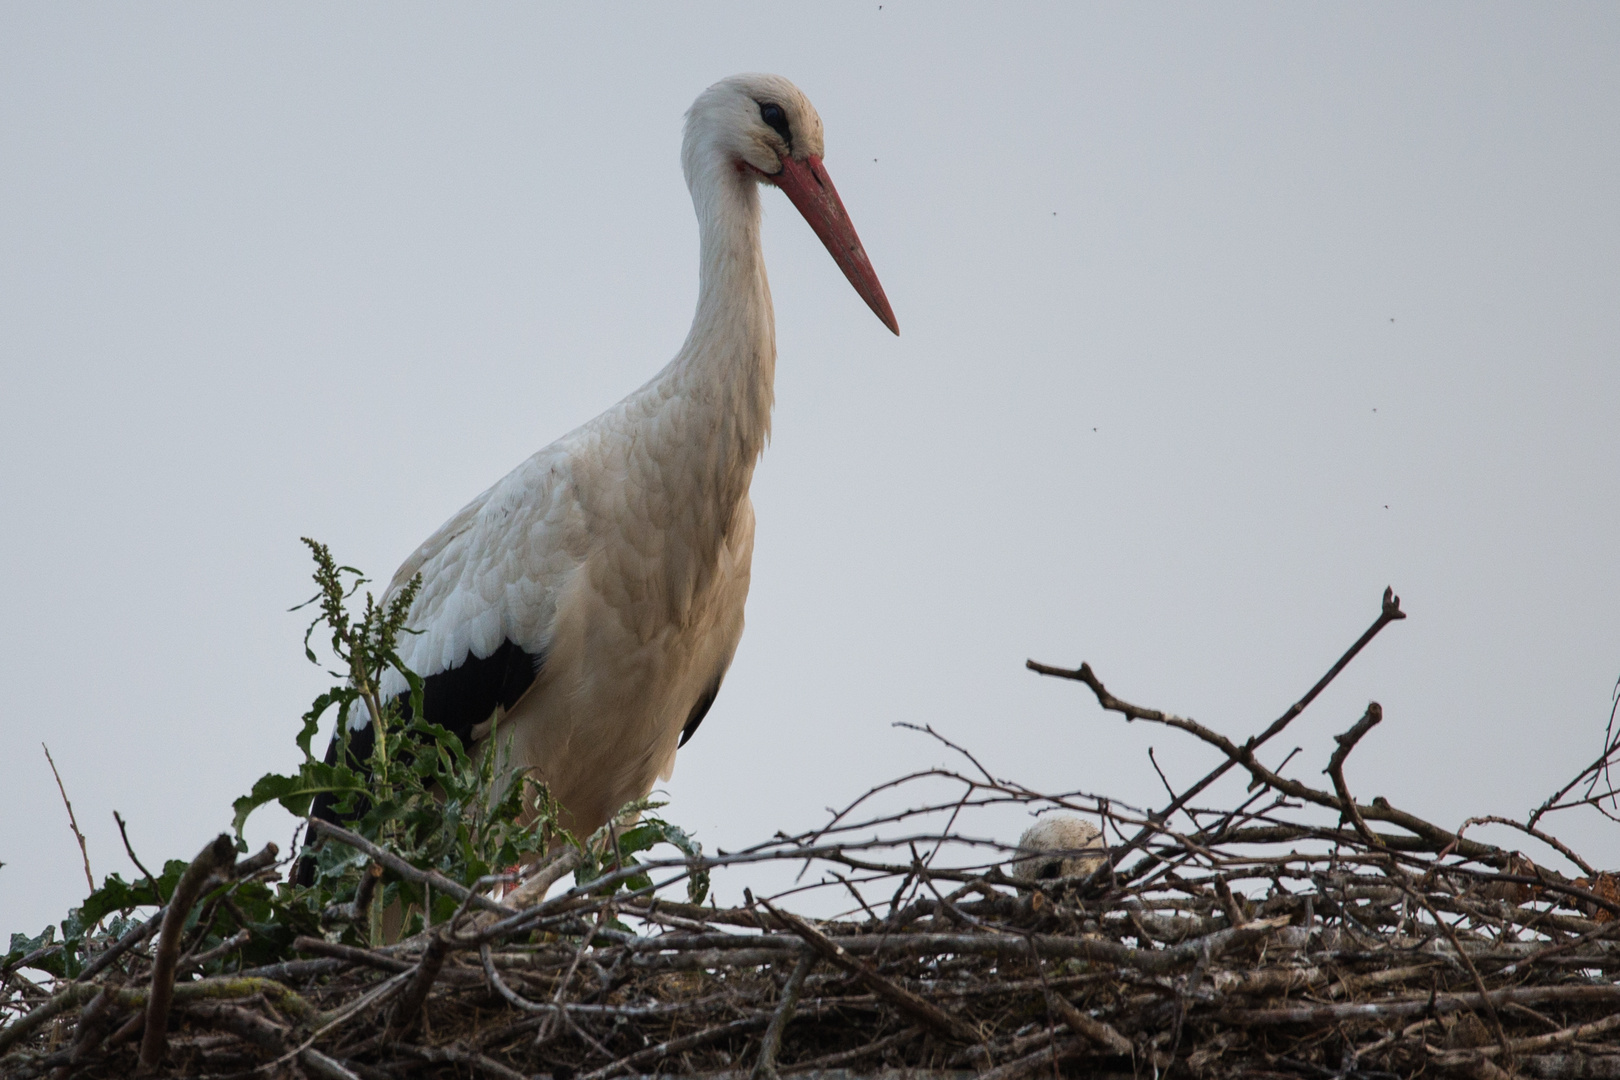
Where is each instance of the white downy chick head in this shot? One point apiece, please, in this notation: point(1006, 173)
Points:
point(1050, 849)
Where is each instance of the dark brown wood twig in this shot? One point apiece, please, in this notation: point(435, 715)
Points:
point(1605, 996)
point(326, 1068)
point(406, 870)
point(216, 858)
point(771, 1041)
point(1530, 830)
point(752, 952)
point(256, 864)
point(532, 890)
point(1598, 768)
point(73, 822)
point(1547, 883)
point(415, 994)
point(1390, 612)
point(1043, 1060)
point(151, 882)
point(904, 999)
point(752, 919)
point(1096, 1030)
point(1598, 933)
point(493, 977)
point(72, 997)
point(366, 957)
point(452, 1055)
point(132, 937)
point(1229, 903)
point(859, 1053)
point(94, 1023)
point(671, 1047)
point(1108, 701)
point(139, 933)
point(1433, 836)
point(1346, 743)
point(1462, 956)
point(928, 729)
point(245, 1024)
point(558, 999)
point(229, 945)
point(1563, 1036)
point(357, 912)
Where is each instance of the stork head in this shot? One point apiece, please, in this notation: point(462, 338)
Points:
point(764, 128)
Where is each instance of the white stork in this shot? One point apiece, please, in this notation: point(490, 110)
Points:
point(593, 598)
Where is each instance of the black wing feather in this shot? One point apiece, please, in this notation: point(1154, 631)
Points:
point(463, 697)
point(700, 710)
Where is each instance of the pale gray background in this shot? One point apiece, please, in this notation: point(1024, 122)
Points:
point(1216, 321)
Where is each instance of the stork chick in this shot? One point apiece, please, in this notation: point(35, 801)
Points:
point(1054, 847)
point(593, 598)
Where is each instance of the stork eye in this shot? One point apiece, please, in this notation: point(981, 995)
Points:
point(773, 114)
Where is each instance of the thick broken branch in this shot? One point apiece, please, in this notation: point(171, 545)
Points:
point(216, 858)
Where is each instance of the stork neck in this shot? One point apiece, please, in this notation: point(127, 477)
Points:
point(726, 369)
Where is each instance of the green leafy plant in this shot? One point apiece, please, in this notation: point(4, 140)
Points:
point(420, 795)
point(105, 917)
point(641, 833)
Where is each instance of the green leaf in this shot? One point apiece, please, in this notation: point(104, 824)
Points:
point(341, 696)
point(22, 945)
point(697, 885)
point(117, 895)
point(296, 793)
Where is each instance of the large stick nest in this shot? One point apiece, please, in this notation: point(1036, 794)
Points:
point(1300, 933)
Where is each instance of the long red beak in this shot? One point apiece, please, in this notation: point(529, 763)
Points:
point(811, 189)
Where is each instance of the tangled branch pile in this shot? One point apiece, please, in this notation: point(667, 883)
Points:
point(1300, 933)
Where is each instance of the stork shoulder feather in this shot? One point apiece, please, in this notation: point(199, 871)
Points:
point(492, 572)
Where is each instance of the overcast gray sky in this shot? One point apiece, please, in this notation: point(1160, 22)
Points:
point(1216, 320)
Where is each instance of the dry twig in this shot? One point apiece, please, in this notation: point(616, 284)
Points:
point(73, 822)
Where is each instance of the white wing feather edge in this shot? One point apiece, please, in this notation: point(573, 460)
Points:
point(491, 573)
